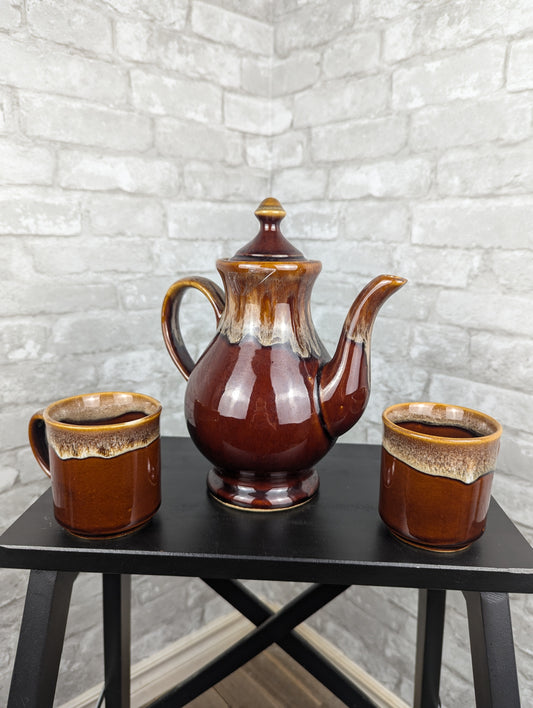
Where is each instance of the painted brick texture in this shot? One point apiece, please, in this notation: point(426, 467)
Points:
point(123, 140)
point(135, 144)
point(418, 131)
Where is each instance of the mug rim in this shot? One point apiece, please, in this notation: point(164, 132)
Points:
point(480, 439)
point(49, 420)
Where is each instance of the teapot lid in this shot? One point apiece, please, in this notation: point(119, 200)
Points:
point(269, 244)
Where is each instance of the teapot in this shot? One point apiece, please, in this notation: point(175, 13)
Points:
point(265, 401)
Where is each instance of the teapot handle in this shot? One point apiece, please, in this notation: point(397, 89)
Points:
point(170, 317)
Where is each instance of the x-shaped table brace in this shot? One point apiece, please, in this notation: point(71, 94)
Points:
point(270, 628)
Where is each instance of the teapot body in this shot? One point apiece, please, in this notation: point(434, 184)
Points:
point(251, 402)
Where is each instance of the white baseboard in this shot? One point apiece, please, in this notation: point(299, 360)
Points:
point(158, 673)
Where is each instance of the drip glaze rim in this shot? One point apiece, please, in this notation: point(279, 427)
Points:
point(413, 412)
point(139, 398)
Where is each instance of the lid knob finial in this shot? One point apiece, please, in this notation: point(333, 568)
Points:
point(270, 208)
point(270, 243)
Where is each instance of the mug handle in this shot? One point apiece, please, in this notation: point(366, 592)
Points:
point(38, 442)
point(170, 317)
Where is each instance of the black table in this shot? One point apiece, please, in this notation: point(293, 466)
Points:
point(334, 541)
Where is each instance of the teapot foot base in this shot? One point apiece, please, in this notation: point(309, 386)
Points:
point(252, 492)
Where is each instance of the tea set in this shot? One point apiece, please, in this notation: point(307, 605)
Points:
point(264, 404)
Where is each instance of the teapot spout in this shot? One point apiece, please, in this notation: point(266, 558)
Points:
point(344, 385)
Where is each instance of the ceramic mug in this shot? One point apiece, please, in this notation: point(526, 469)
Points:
point(437, 467)
point(102, 453)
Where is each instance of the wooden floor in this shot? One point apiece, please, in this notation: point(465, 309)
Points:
point(270, 680)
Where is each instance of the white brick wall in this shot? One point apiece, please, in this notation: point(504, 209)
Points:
point(115, 149)
point(137, 137)
point(424, 148)
point(43, 116)
point(41, 66)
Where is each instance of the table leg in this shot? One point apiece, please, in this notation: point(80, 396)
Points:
point(431, 609)
point(306, 655)
point(41, 637)
point(117, 631)
point(492, 648)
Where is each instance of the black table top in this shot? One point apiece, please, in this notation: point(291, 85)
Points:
point(337, 537)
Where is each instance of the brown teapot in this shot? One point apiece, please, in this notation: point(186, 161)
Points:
point(265, 402)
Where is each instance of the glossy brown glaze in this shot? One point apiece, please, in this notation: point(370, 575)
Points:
point(267, 390)
point(106, 497)
point(101, 452)
point(429, 511)
point(264, 403)
point(344, 386)
point(436, 473)
point(271, 492)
